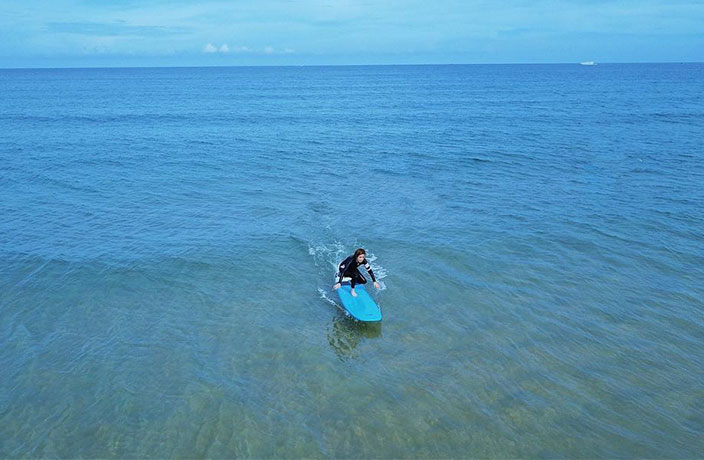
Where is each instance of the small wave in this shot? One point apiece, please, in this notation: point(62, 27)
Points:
point(324, 296)
point(327, 255)
point(379, 271)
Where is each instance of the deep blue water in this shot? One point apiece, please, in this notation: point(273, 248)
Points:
point(168, 241)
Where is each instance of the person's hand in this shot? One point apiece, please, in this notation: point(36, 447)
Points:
point(337, 286)
point(354, 294)
point(376, 285)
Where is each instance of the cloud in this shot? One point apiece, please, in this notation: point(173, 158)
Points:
point(223, 49)
point(271, 50)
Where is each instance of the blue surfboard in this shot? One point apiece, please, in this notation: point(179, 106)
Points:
point(362, 307)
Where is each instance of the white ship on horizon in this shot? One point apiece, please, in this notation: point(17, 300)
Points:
point(587, 63)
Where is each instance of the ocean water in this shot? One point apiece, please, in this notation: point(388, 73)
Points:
point(169, 237)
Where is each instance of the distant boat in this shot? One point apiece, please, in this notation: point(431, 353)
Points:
point(588, 63)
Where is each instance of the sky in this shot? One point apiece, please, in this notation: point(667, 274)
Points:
point(117, 33)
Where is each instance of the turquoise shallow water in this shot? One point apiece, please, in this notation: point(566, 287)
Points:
point(169, 238)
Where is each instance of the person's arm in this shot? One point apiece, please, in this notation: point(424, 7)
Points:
point(369, 269)
point(341, 270)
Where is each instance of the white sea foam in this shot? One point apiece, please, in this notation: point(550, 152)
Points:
point(379, 271)
point(324, 296)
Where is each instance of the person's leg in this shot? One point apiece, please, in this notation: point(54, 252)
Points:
point(357, 278)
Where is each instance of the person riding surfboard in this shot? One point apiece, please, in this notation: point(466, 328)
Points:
point(349, 270)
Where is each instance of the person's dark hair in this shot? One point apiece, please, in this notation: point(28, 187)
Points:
point(358, 252)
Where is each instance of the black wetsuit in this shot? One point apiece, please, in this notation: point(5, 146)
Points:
point(348, 268)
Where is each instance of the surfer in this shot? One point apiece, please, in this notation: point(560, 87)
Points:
point(349, 269)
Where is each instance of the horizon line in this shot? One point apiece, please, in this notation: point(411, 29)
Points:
point(341, 65)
